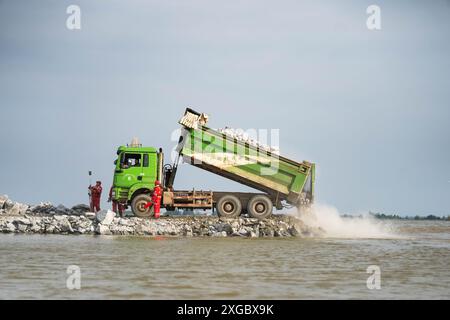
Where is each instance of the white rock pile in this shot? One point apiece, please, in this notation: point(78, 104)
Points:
point(12, 208)
point(47, 219)
point(243, 136)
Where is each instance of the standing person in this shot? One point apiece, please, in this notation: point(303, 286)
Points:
point(96, 193)
point(117, 207)
point(156, 199)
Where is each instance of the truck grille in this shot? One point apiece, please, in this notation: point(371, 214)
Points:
point(123, 194)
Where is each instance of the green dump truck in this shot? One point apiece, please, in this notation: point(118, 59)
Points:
point(282, 182)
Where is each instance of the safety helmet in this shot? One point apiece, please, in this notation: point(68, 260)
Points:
point(157, 183)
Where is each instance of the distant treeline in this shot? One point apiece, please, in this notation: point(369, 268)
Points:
point(384, 216)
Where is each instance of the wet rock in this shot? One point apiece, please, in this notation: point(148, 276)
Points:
point(219, 234)
point(22, 227)
point(10, 227)
point(103, 230)
point(35, 228)
point(49, 229)
point(243, 232)
point(144, 229)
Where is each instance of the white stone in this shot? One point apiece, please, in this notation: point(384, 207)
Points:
point(243, 232)
point(8, 204)
point(65, 226)
point(22, 227)
point(16, 208)
point(90, 215)
point(35, 228)
point(105, 217)
point(103, 229)
point(10, 227)
point(22, 221)
point(3, 199)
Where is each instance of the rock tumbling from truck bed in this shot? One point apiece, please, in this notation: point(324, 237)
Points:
point(47, 219)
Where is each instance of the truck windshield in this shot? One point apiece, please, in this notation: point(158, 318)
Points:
point(131, 160)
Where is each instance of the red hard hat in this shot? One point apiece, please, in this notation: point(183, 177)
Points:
point(157, 182)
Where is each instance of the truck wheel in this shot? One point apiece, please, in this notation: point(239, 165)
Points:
point(138, 206)
point(229, 206)
point(260, 207)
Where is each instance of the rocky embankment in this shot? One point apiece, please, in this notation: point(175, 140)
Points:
point(47, 219)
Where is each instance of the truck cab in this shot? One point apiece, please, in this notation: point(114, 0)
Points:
point(136, 170)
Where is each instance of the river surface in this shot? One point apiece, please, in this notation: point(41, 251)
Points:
point(413, 264)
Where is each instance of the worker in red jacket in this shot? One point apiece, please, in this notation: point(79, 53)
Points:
point(117, 207)
point(156, 199)
point(96, 193)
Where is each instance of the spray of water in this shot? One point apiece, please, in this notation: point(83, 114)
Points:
point(330, 221)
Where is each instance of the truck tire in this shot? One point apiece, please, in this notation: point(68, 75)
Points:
point(229, 206)
point(138, 206)
point(260, 207)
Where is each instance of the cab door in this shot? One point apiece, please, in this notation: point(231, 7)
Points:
point(128, 170)
point(149, 169)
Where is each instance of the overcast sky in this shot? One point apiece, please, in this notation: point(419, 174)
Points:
point(371, 108)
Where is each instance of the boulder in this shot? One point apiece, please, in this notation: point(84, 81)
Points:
point(105, 217)
point(81, 208)
point(24, 221)
point(10, 227)
point(35, 228)
point(8, 205)
point(243, 232)
point(22, 227)
point(60, 209)
point(90, 215)
point(3, 199)
point(43, 208)
point(16, 209)
point(103, 229)
point(65, 226)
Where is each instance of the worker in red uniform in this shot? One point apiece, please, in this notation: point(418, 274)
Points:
point(156, 199)
point(96, 193)
point(117, 207)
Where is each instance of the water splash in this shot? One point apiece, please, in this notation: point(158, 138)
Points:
point(330, 221)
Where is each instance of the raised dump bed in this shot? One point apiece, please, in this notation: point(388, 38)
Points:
point(240, 161)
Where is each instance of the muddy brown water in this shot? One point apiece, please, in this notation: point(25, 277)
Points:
point(413, 265)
